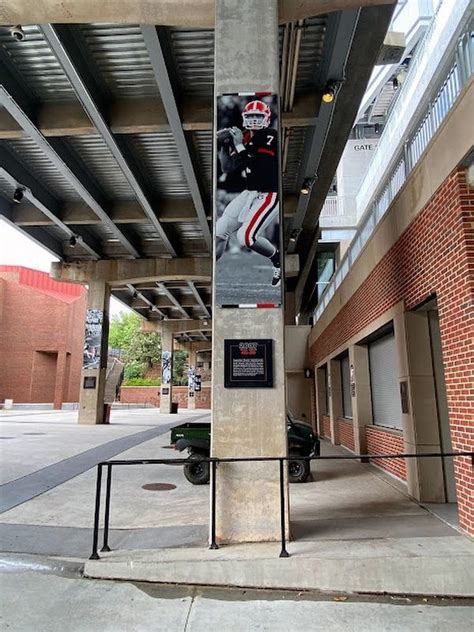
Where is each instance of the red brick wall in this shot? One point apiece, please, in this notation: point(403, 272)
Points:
point(35, 323)
point(435, 255)
point(381, 441)
point(151, 395)
point(326, 426)
point(345, 434)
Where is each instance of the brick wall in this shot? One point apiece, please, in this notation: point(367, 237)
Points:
point(41, 337)
point(435, 255)
point(345, 433)
point(151, 396)
point(380, 441)
point(326, 426)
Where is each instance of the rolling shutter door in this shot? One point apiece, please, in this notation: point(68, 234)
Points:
point(346, 388)
point(384, 383)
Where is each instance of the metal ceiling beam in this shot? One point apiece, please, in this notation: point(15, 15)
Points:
point(136, 293)
point(141, 116)
point(162, 76)
point(18, 177)
point(174, 300)
point(337, 45)
point(371, 29)
point(37, 234)
point(9, 102)
point(198, 298)
point(84, 90)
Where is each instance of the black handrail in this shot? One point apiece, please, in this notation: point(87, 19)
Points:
point(214, 461)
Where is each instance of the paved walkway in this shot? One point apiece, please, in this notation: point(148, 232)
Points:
point(36, 600)
point(49, 474)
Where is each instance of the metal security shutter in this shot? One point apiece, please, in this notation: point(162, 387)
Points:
point(384, 382)
point(346, 388)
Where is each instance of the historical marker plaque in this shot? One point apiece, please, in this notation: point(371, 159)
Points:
point(248, 363)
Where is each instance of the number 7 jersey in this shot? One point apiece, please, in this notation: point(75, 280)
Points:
point(260, 160)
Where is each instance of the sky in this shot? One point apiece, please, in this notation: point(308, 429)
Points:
point(17, 249)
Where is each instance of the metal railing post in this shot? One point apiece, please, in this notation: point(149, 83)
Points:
point(214, 544)
point(95, 538)
point(283, 552)
point(105, 548)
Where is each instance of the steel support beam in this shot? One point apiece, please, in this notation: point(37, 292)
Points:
point(198, 298)
point(127, 116)
point(37, 234)
point(338, 42)
point(136, 293)
point(9, 103)
point(14, 173)
point(174, 300)
point(157, 59)
point(85, 94)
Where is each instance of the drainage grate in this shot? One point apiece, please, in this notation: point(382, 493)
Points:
point(34, 433)
point(168, 447)
point(7, 437)
point(158, 487)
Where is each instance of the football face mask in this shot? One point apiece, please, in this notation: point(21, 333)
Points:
point(256, 115)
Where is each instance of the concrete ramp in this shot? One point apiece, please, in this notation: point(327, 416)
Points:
point(408, 566)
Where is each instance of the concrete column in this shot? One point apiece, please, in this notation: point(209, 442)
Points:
point(425, 479)
point(335, 396)
point(247, 422)
point(192, 367)
point(60, 380)
point(166, 395)
point(361, 398)
point(91, 398)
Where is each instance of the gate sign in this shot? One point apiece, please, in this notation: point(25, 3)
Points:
point(248, 363)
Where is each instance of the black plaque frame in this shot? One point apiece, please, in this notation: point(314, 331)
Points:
point(233, 349)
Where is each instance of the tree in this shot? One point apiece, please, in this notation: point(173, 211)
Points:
point(140, 350)
point(122, 328)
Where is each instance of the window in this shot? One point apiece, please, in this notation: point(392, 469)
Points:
point(346, 387)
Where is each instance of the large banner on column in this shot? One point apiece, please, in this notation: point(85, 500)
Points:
point(247, 223)
point(92, 339)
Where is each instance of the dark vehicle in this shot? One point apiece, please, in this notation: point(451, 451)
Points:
point(196, 439)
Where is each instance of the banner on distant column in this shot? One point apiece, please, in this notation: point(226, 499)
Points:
point(247, 235)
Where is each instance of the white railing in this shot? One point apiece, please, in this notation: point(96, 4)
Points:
point(428, 122)
point(428, 66)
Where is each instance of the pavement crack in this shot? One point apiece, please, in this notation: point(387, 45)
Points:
point(189, 610)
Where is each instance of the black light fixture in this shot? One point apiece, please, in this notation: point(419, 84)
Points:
point(294, 235)
point(18, 195)
point(307, 186)
point(329, 92)
point(73, 241)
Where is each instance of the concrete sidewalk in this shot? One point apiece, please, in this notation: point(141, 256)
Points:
point(354, 528)
point(410, 566)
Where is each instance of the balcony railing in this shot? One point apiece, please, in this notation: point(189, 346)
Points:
point(461, 65)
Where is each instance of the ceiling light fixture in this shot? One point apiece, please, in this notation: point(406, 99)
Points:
point(307, 186)
point(329, 92)
point(18, 195)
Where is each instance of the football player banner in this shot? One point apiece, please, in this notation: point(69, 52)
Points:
point(247, 209)
point(92, 339)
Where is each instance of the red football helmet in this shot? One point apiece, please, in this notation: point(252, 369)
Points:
point(256, 115)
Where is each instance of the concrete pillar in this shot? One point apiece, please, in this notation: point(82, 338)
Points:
point(91, 398)
point(361, 397)
point(425, 479)
point(335, 396)
point(60, 383)
point(247, 422)
point(166, 395)
point(192, 373)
